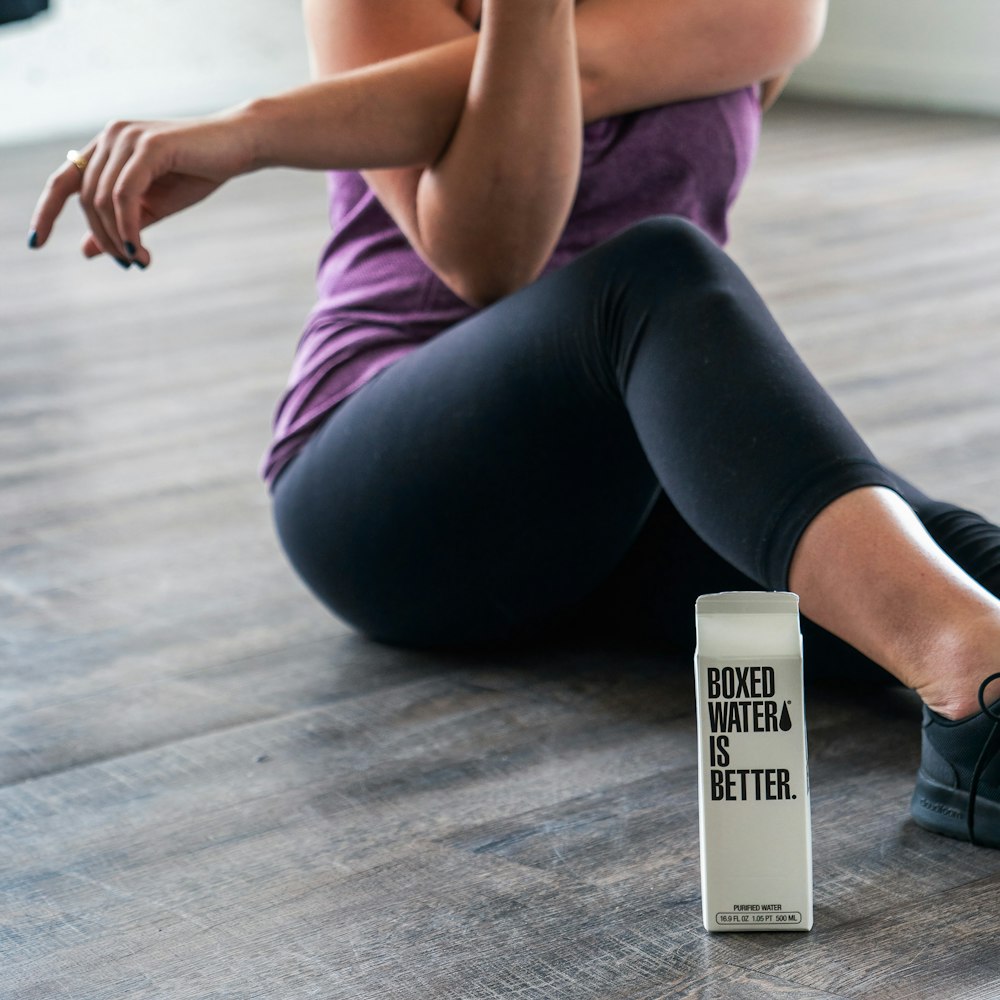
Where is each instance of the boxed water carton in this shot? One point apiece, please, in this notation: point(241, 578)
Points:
point(754, 822)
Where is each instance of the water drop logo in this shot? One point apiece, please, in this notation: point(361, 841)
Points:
point(785, 722)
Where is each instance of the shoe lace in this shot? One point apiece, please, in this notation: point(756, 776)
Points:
point(989, 751)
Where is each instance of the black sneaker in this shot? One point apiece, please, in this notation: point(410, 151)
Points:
point(958, 784)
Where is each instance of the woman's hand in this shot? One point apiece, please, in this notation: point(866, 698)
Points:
point(137, 173)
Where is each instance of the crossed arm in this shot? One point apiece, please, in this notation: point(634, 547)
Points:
point(470, 141)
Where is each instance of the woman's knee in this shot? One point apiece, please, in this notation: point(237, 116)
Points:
point(664, 279)
point(666, 248)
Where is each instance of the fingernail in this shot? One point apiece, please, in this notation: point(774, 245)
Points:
point(122, 262)
point(130, 249)
point(32, 239)
point(140, 265)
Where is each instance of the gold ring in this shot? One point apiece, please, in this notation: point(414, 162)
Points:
point(77, 159)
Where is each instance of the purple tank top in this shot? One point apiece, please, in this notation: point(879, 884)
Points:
point(378, 300)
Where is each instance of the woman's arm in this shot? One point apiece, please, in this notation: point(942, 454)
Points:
point(486, 208)
point(640, 53)
point(488, 214)
point(403, 111)
point(396, 75)
point(485, 242)
point(399, 112)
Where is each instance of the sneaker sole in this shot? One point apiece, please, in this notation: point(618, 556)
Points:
point(945, 810)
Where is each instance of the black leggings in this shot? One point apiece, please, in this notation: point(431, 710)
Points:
point(602, 446)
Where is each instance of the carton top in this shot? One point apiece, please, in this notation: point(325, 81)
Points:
point(748, 602)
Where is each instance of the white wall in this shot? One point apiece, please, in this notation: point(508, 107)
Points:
point(926, 53)
point(68, 71)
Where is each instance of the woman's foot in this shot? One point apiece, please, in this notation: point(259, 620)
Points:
point(957, 791)
point(958, 784)
point(867, 570)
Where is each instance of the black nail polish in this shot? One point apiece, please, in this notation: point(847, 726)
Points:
point(123, 263)
point(130, 249)
point(32, 239)
point(140, 265)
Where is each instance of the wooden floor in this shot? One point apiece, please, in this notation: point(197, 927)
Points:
point(209, 788)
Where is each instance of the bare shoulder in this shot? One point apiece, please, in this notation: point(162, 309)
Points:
point(636, 53)
point(348, 34)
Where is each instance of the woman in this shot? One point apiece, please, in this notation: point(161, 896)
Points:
point(515, 400)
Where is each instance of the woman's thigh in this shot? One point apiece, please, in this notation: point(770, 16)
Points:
point(474, 487)
point(495, 477)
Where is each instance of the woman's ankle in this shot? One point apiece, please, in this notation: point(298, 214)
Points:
point(957, 663)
